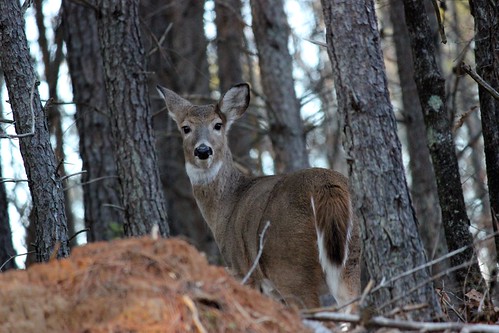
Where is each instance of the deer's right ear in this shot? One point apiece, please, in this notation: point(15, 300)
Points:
point(174, 103)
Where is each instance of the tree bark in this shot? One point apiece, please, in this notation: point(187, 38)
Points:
point(52, 66)
point(230, 45)
point(39, 160)
point(6, 246)
point(271, 31)
point(101, 186)
point(424, 187)
point(391, 243)
point(486, 16)
point(130, 115)
point(179, 63)
point(431, 90)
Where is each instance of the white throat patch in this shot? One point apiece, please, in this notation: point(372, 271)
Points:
point(199, 176)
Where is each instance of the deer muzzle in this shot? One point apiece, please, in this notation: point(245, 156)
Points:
point(203, 152)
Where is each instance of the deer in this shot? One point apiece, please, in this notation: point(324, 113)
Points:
point(310, 245)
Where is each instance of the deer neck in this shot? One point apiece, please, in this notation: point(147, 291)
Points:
point(215, 190)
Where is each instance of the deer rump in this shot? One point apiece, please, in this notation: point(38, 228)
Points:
point(309, 215)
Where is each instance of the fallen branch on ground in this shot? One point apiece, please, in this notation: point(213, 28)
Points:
point(379, 321)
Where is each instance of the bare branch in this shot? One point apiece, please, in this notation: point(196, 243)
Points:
point(441, 28)
point(405, 325)
point(73, 174)
point(258, 255)
point(12, 180)
point(15, 256)
point(481, 82)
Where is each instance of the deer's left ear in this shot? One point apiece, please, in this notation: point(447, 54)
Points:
point(235, 102)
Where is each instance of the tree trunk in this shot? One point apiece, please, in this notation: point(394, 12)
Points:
point(131, 128)
point(271, 31)
point(52, 66)
point(101, 186)
point(424, 187)
point(6, 246)
point(39, 160)
point(179, 63)
point(230, 39)
point(487, 66)
point(431, 90)
point(391, 243)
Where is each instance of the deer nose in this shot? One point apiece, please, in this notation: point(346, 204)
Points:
point(203, 151)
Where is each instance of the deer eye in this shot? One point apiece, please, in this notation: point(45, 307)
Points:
point(218, 126)
point(186, 129)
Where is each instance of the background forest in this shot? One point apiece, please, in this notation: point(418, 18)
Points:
point(318, 99)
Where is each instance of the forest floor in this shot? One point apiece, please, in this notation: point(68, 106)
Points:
point(136, 285)
point(156, 285)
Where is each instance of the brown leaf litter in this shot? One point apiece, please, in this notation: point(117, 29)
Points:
point(136, 285)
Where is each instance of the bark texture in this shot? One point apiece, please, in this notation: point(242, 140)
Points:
point(101, 186)
point(381, 196)
point(230, 45)
point(424, 187)
point(130, 115)
point(6, 247)
point(271, 31)
point(52, 65)
point(176, 46)
point(431, 90)
point(38, 157)
point(486, 16)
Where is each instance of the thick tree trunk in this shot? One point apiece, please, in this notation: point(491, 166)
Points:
point(131, 128)
point(179, 63)
point(52, 66)
point(271, 31)
point(487, 66)
point(431, 90)
point(6, 246)
point(230, 45)
point(424, 187)
point(101, 187)
point(39, 160)
point(391, 243)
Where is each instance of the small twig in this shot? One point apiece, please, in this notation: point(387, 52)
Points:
point(89, 182)
point(12, 180)
point(379, 321)
point(25, 6)
point(425, 282)
point(56, 249)
point(76, 234)
point(407, 308)
point(463, 117)
point(73, 174)
point(481, 82)
point(114, 206)
point(6, 121)
point(15, 256)
point(441, 28)
point(316, 42)
point(258, 255)
point(32, 132)
point(195, 314)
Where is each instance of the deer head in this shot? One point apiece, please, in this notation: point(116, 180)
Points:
point(204, 129)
